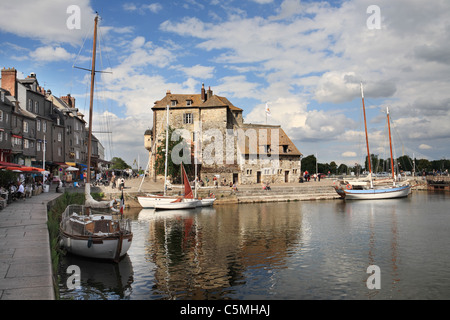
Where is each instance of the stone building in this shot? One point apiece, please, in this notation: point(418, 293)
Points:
point(31, 117)
point(221, 143)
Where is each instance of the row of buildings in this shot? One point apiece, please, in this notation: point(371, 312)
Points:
point(221, 143)
point(31, 117)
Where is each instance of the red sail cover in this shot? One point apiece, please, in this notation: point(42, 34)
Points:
point(188, 194)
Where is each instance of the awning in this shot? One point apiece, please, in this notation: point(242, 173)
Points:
point(61, 164)
point(19, 168)
point(73, 164)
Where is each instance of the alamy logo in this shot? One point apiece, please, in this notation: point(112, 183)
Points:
point(374, 280)
point(231, 146)
point(74, 20)
point(74, 280)
point(374, 20)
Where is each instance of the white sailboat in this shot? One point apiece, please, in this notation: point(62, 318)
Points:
point(151, 200)
point(370, 189)
point(186, 202)
point(103, 234)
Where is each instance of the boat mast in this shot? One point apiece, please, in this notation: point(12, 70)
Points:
point(167, 150)
point(91, 103)
point(365, 126)
point(390, 143)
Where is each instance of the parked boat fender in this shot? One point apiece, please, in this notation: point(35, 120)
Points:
point(349, 187)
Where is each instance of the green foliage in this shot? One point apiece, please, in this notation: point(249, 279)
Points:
point(173, 169)
point(119, 164)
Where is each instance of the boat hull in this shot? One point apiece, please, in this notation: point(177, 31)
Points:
point(184, 204)
point(207, 202)
point(372, 194)
point(150, 201)
point(96, 247)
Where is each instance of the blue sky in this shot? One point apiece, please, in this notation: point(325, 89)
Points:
point(305, 58)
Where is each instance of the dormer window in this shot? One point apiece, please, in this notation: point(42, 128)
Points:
point(174, 103)
point(189, 103)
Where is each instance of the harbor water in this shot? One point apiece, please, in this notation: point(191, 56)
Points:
point(280, 251)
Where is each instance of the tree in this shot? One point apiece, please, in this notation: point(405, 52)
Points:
point(173, 165)
point(309, 163)
point(119, 164)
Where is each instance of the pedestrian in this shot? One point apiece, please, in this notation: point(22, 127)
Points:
point(122, 184)
point(21, 191)
point(113, 182)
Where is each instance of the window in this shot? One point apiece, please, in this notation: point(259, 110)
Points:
point(25, 127)
point(1, 135)
point(188, 118)
point(38, 146)
point(38, 125)
point(36, 107)
point(30, 105)
point(174, 103)
point(1, 115)
point(58, 121)
point(44, 126)
point(3, 96)
point(77, 154)
point(59, 137)
point(59, 151)
point(189, 102)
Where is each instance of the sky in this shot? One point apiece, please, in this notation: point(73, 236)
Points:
point(305, 59)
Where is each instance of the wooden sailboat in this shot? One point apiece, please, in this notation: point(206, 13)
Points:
point(85, 232)
point(150, 200)
point(370, 190)
point(186, 202)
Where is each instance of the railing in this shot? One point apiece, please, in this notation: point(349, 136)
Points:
point(438, 179)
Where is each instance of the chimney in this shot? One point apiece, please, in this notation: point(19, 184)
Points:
point(9, 81)
point(210, 93)
point(203, 93)
point(69, 100)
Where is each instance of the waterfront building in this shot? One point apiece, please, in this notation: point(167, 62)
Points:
point(31, 118)
point(222, 144)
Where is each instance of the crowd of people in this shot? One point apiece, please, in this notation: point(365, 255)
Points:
point(21, 188)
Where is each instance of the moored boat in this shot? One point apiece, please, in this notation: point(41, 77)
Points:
point(99, 235)
point(369, 189)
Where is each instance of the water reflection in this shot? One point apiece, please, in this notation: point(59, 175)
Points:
point(297, 250)
point(100, 280)
point(204, 253)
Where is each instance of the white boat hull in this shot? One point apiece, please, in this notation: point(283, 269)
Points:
point(373, 194)
point(98, 248)
point(150, 201)
point(184, 204)
point(207, 202)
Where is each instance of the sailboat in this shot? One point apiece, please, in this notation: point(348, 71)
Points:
point(186, 202)
point(150, 200)
point(370, 189)
point(95, 229)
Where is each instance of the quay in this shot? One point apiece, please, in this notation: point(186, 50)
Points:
point(438, 183)
point(25, 259)
point(306, 191)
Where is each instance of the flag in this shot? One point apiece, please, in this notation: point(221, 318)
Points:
point(122, 203)
point(267, 109)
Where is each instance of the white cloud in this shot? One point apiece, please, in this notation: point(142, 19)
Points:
point(349, 154)
point(141, 9)
point(46, 20)
point(49, 53)
point(424, 147)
